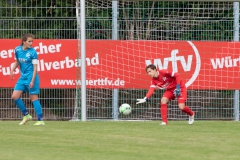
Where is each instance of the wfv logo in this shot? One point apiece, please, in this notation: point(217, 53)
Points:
point(175, 59)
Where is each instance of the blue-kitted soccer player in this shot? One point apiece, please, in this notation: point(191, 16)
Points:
point(26, 57)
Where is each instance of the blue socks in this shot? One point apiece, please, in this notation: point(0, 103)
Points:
point(38, 109)
point(21, 106)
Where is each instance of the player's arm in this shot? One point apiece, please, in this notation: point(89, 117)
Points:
point(177, 91)
point(34, 71)
point(148, 95)
point(150, 91)
point(34, 62)
point(15, 65)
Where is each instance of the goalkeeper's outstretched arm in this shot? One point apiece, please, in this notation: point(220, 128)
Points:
point(152, 72)
point(148, 95)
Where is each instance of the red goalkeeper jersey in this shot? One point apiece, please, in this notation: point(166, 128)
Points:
point(165, 80)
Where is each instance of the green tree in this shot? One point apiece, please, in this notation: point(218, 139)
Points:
point(45, 19)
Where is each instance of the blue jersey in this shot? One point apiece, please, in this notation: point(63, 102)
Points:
point(25, 58)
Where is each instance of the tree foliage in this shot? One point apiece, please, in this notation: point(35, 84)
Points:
point(137, 20)
point(45, 19)
point(155, 20)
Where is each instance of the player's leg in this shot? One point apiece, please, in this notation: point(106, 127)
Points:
point(18, 90)
point(34, 98)
point(183, 107)
point(164, 108)
point(37, 108)
point(188, 111)
point(18, 101)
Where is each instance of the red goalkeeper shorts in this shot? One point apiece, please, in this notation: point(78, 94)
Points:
point(181, 99)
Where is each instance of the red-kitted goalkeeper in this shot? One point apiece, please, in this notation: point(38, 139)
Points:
point(175, 88)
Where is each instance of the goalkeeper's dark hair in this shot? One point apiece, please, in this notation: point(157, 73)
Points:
point(152, 66)
point(25, 37)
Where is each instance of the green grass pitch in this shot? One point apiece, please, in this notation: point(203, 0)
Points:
point(108, 140)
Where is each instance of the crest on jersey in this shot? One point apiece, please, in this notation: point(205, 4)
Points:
point(28, 55)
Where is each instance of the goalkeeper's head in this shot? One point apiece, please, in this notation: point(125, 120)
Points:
point(151, 66)
point(152, 70)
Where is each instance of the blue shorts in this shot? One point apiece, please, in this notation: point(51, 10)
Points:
point(23, 85)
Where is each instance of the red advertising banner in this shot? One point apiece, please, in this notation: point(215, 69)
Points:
point(121, 64)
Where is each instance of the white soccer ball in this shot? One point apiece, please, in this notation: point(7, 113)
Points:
point(125, 109)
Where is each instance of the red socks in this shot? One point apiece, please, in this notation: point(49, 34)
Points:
point(164, 112)
point(187, 110)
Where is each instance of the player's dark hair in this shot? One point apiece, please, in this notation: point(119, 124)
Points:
point(25, 37)
point(152, 66)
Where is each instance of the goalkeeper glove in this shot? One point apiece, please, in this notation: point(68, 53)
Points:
point(177, 91)
point(142, 100)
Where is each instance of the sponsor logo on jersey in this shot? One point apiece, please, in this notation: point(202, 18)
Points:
point(22, 60)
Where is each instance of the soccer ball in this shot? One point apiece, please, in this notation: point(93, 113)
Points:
point(125, 109)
